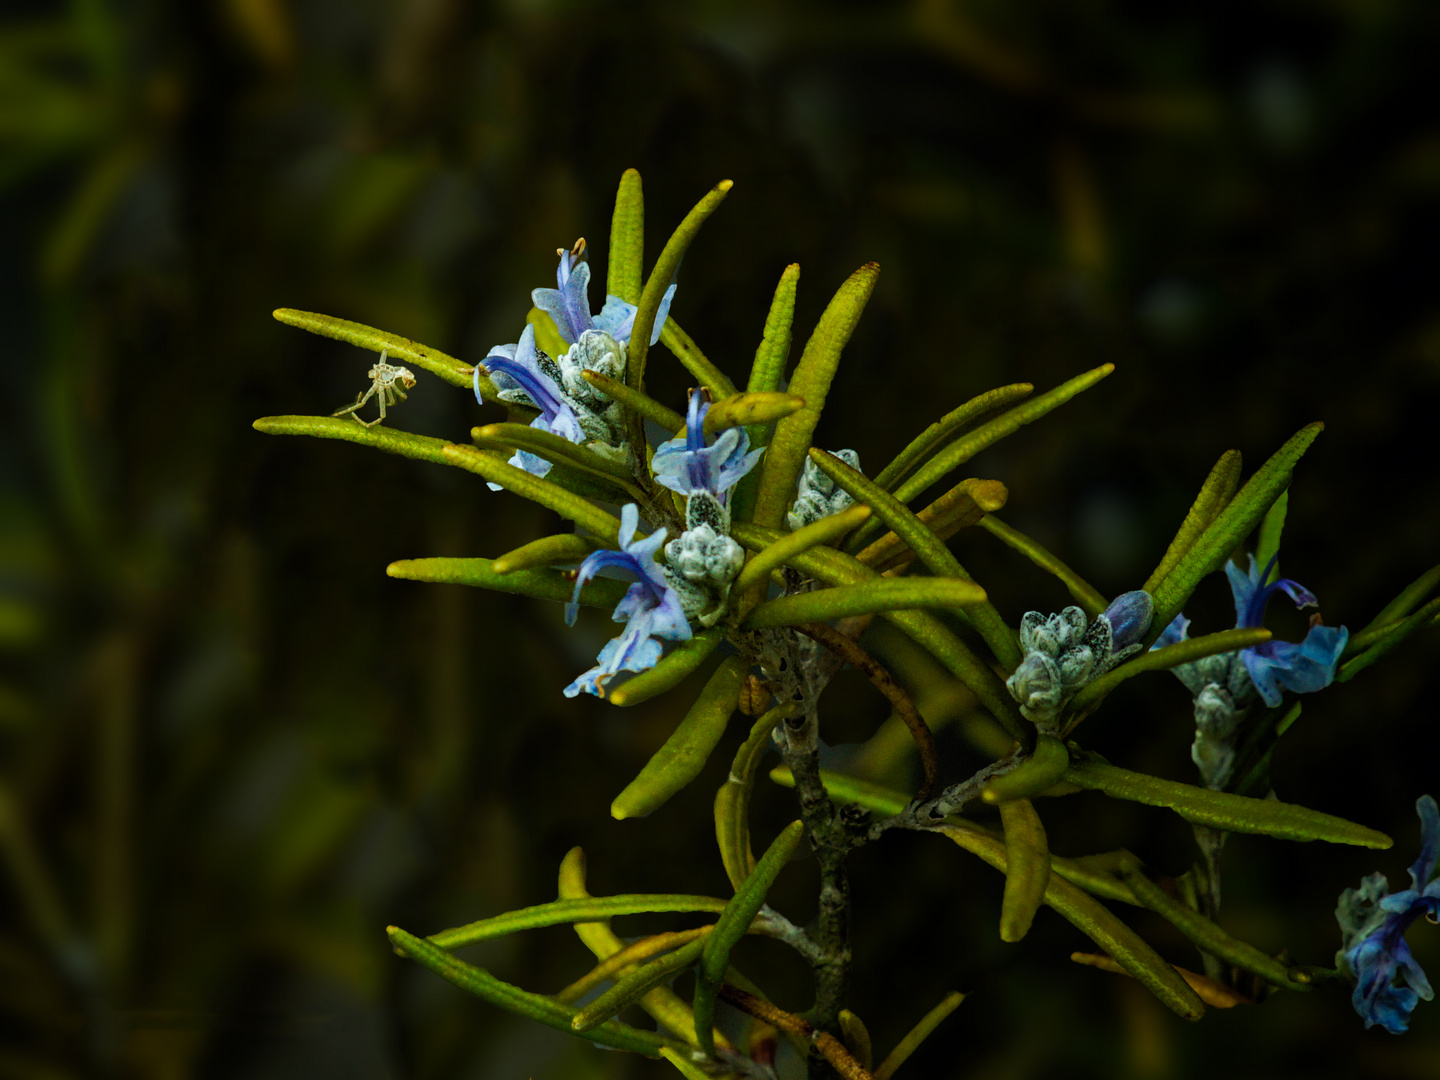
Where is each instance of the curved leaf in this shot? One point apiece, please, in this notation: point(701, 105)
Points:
point(560, 912)
point(546, 551)
point(1217, 491)
point(732, 800)
point(1027, 868)
point(674, 666)
point(947, 428)
point(367, 337)
point(884, 594)
point(1163, 659)
point(600, 524)
point(540, 583)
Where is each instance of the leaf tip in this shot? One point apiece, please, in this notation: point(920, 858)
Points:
point(724, 186)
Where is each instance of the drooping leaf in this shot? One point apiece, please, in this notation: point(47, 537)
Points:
point(1027, 868)
point(732, 800)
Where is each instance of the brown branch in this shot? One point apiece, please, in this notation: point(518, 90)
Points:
point(829, 1047)
point(849, 651)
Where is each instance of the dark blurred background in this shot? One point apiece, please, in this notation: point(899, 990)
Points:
point(232, 750)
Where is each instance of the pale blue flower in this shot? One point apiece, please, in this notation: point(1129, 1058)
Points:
point(569, 304)
point(1304, 667)
point(650, 609)
point(519, 367)
point(1373, 923)
point(687, 465)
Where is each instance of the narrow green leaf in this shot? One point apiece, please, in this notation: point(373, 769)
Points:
point(661, 275)
point(733, 922)
point(624, 270)
point(1390, 642)
point(1039, 772)
point(1405, 603)
point(562, 548)
point(991, 432)
point(949, 427)
point(1229, 528)
point(554, 448)
point(632, 987)
point(662, 1003)
point(959, 508)
point(864, 598)
point(560, 912)
point(535, 1007)
point(634, 400)
point(1215, 494)
point(674, 666)
point(1027, 868)
point(917, 1035)
point(419, 447)
point(1271, 526)
point(938, 559)
point(856, 1037)
point(1097, 923)
point(684, 349)
point(399, 348)
point(1163, 659)
point(750, 409)
point(834, 568)
point(783, 462)
point(542, 584)
point(732, 800)
point(684, 754)
point(604, 526)
point(684, 1066)
point(1222, 810)
point(1204, 933)
point(773, 556)
point(1084, 594)
point(766, 373)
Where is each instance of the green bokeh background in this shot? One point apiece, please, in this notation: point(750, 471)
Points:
point(232, 750)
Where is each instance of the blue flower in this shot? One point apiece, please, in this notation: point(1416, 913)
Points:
point(688, 466)
point(650, 609)
point(518, 367)
point(1276, 665)
point(569, 305)
point(1373, 924)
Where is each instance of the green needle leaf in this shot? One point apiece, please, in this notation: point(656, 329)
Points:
point(661, 275)
point(632, 987)
point(1270, 529)
point(683, 1065)
point(634, 400)
point(1390, 642)
point(624, 271)
point(1027, 868)
point(917, 1035)
point(1215, 494)
point(1007, 423)
point(1204, 933)
point(1233, 524)
point(1222, 810)
point(579, 910)
point(553, 448)
point(734, 921)
point(535, 1007)
point(1403, 604)
point(540, 583)
point(367, 337)
point(773, 556)
point(864, 598)
point(562, 548)
point(674, 666)
point(1042, 770)
point(1096, 922)
point(1083, 593)
point(419, 447)
point(948, 428)
point(1162, 659)
point(959, 508)
point(732, 800)
point(766, 373)
point(684, 754)
point(604, 526)
point(938, 559)
point(835, 568)
point(683, 346)
point(750, 409)
point(783, 462)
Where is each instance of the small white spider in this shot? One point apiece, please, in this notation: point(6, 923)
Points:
point(384, 379)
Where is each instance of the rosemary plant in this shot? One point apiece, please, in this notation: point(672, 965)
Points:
point(725, 542)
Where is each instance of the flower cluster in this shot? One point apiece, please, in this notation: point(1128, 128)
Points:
point(569, 406)
point(1225, 685)
point(650, 609)
point(703, 560)
point(1373, 922)
point(818, 496)
point(1064, 652)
